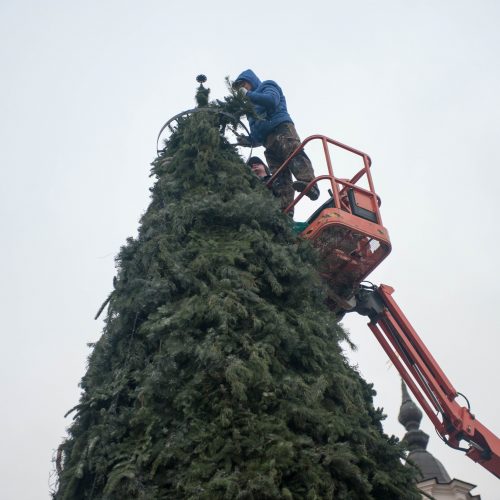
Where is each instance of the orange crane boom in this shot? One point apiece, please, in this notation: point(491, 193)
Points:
point(422, 373)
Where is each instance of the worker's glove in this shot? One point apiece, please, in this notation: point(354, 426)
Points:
point(243, 90)
point(243, 140)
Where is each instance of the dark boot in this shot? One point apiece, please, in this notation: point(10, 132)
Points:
point(313, 193)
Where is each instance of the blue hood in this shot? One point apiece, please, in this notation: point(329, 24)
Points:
point(249, 76)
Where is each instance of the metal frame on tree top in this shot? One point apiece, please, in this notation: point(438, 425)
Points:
point(347, 229)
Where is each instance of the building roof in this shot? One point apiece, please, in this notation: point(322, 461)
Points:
point(416, 440)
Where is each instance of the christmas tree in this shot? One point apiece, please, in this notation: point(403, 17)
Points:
point(219, 373)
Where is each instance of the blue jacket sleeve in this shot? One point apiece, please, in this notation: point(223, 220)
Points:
point(268, 97)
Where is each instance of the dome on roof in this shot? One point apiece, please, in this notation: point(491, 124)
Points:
point(410, 414)
point(416, 440)
point(429, 466)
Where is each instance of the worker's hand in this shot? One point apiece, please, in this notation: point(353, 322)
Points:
point(243, 140)
point(243, 90)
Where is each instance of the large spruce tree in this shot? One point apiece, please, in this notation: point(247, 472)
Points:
point(219, 372)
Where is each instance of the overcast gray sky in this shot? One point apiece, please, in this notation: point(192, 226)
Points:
point(85, 88)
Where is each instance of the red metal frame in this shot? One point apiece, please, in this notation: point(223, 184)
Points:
point(350, 247)
point(335, 181)
point(431, 387)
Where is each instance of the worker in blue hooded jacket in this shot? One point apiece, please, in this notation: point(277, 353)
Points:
point(274, 129)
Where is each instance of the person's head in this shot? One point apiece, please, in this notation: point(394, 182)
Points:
point(246, 79)
point(258, 167)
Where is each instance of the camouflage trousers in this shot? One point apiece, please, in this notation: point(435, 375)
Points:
point(280, 144)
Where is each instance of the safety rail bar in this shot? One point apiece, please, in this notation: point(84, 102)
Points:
point(334, 181)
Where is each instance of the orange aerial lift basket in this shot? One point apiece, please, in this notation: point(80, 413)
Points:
point(347, 229)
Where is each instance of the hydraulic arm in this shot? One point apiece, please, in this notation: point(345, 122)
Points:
point(424, 377)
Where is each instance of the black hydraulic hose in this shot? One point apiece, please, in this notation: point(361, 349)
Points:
point(466, 400)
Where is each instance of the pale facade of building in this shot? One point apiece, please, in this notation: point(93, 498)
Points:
point(454, 490)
